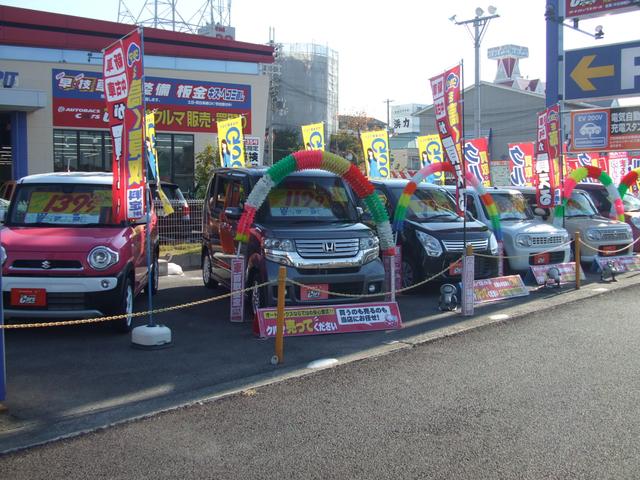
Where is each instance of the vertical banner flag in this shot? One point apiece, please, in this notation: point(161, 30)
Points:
point(619, 166)
point(152, 162)
point(521, 164)
point(445, 89)
point(476, 155)
point(313, 136)
point(546, 152)
point(430, 150)
point(230, 142)
point(123, 73)
point(375, 146)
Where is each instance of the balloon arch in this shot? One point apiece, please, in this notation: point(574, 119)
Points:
point(596, 173)
point(627, 181)
point(403, 203)
point(318, 159)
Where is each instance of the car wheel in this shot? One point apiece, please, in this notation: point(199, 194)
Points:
point(408, 273)
point(125, 307)
point(155, 278)
point(207, 272)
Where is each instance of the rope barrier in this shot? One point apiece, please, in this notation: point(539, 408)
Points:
point(626, 247)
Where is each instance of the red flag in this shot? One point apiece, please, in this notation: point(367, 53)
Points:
point(547, 150)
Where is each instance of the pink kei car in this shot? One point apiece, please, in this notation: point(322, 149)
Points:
point(63, 257)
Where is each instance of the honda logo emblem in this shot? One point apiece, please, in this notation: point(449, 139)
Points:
point(329, 247)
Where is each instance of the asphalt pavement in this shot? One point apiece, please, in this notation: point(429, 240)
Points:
point(62, 381)
point(549, 394)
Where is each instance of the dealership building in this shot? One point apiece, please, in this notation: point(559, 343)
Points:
point(52, 109)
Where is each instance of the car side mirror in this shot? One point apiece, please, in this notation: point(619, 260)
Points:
point(233, 213)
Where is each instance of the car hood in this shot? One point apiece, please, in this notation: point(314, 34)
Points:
point(60, 239)
point(582, 223)
point(472, 226)
point(532, 227)
point(316, 230)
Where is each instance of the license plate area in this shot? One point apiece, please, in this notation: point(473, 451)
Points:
point(608, 250)
point(312, 292)
point(455, 269)
point(28, 297)
point(541, 259)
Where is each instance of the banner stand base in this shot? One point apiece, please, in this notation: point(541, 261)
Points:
point(147, 337)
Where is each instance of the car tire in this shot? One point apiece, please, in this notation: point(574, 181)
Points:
point(125, 306)
point(155, 277)
point(410, 274)
point(207, 272)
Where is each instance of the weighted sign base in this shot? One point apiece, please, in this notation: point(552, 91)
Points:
point(149, 337)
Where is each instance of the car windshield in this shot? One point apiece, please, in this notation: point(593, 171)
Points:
point(308, 200)
point(631, 203)
point(429, 204)
point(512, 206)
point(579, 205)
point(61, 204)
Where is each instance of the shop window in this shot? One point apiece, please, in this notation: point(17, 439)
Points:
point(176, 159)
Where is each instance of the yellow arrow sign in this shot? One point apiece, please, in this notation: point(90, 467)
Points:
point(584, 72)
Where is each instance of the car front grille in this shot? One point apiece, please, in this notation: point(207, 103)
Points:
point(458, 245)
point(47, 264)
point(341, 248)
point(618, 234)
point(546, 240)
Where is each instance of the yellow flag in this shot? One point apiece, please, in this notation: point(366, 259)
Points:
point(152, 160)
point(313, 136)
point(231, 143)
point(430, 151)
point(375, 146)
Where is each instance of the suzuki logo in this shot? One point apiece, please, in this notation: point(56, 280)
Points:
point(46, 264)
point(329, 247)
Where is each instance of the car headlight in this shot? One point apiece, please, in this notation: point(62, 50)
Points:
point(3, 254)
point(431, 244)
point(284, 245)
point(367, 243)
point(524, 240)
point(594, 234)
point(102, 257)
point(493, 244)
point(636, 221)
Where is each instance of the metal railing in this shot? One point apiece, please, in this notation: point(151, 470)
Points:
point(184, 225)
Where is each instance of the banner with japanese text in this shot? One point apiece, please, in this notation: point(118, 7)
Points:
point(547, 151)
point(447, 108)
point(521, 164)
point(230, 143)
point(431, 151)
point(152, 162)
point(476, 155)
point(375, 146)
point(585, 159)
point(123, 72)
point(313, 136)
point(181, 105)
point(618, 166)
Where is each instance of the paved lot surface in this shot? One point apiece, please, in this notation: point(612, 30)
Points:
point(64, 380)
point(554, 394)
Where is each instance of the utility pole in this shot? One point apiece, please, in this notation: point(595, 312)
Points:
point(479, 23)
point(388, 101)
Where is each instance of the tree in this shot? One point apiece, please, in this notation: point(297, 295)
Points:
point(285, 142)
point(206, 161)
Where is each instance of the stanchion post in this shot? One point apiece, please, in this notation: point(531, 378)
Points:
point(392, 280)
point(577, 259)
point(282, 279)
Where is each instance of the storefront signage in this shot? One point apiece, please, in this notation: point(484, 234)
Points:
point(358, 317)
point(605, 129)
point(595, 8)
point(253, 151)
point(567, 272)
point(498, 288)
point(181, 105)
point(9, 79)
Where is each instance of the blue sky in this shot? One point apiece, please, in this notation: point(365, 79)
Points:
point(387, 49)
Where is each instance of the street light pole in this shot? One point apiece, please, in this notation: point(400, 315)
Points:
point(479, 23)
point(388, 101)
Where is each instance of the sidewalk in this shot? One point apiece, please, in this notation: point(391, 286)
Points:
point(62, 381)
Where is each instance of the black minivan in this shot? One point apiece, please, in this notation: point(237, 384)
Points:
point(432, 237)
point(309, 223)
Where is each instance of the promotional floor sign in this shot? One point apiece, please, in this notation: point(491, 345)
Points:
point(447, 107)
point(375, 146)
point(476, 155)
point(567, 272)
point(521, 164)
point(313, 136)
point(318, 320)
point(547, 151)
point(152, 163)
point(123, 72)
point(499, 288)
point(627, 263)
point(231, 143)
point(431, 151)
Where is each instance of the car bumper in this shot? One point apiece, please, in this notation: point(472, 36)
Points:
point(484, 266)
point(347, 281)
point(521, 260)
point(66, 297)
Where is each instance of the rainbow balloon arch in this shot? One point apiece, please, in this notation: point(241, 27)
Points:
point(596, 173)
point(318, 159)
point(628, 181)
point(400, 214)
